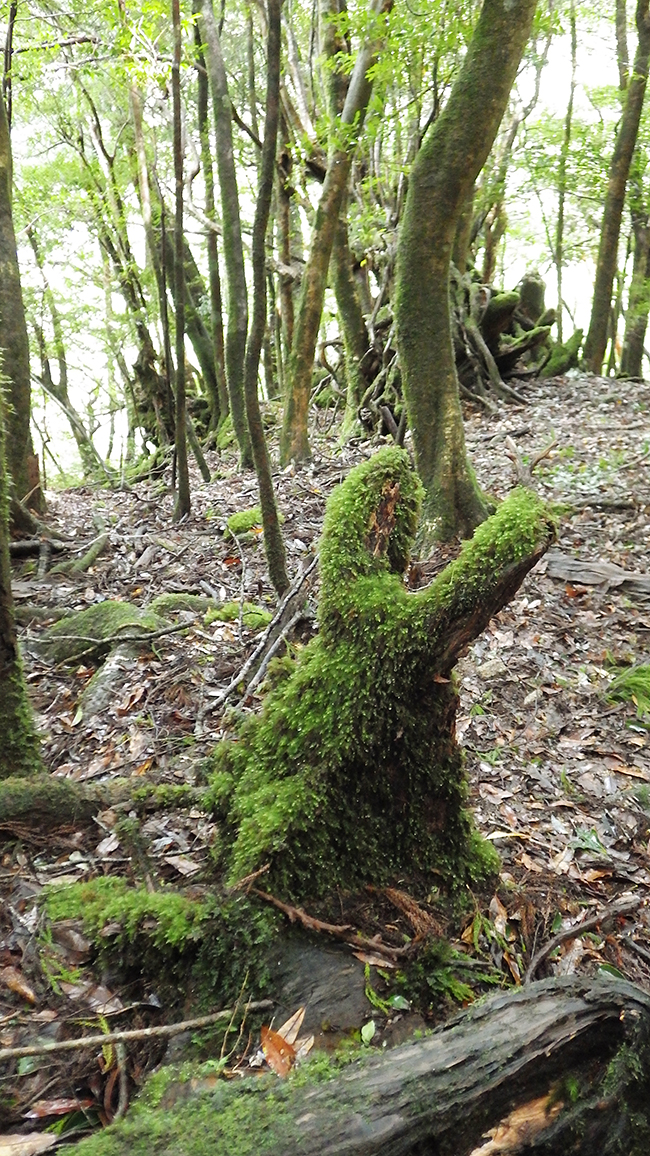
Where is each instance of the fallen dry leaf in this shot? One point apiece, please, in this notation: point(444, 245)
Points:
point(28, 1145)
point(59, 1107)
point(290, 1028)
point(520, 1127)
point(12, 978)
point(279, 1055)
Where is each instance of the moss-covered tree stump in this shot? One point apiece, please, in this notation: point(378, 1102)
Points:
point(352, 772)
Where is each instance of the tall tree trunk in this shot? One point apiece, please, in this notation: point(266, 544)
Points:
point(636, 321)
point(22, 462)
point(220, 405)
point(232, 238)
point(273, 542)
point(444, 171)
point(19, 750)
point(596, 342)
point(294, 441)
point(562, 182)
point(356, 342)
point(182, 507)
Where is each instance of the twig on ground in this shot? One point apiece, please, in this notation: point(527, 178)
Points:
point(339, 931)
point(130, 1034)
point(613, 911)
point(525, 472)
point(240, 679)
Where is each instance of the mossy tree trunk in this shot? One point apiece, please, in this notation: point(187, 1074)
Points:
point(596, 340)
point(352, 774)
point(220, 405)
point(445, 169)
point(232, 237)
point(182, 507)
point(19, 750)
point(273, 541)
point(294, 441)
point(636, 318)
point(356, 342)
point(22, 463)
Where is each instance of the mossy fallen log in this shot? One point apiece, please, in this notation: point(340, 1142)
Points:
point(351, 773)
point(559, 1066)
point(45, 803)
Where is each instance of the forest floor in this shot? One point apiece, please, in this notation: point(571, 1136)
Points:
point(559, 773)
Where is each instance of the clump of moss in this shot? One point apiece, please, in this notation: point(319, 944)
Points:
point(633, 685)
point(244, 521)
point(351, 773)
point(202, 941)
point(254, 617)
point(98, 628)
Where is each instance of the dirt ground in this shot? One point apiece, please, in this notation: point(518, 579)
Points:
point(559, 773)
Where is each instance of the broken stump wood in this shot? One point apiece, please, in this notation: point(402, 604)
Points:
point(560, 1066)
point(351, 773)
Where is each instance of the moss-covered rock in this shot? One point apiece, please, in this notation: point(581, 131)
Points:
point(96, 629)
point(254, 617)
point(352, 773)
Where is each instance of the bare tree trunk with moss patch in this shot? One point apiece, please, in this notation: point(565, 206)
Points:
point(232, 238)
point(294, 442)
point(273, 541)
point(596, 340)
point(22, 462)
point(443, 174)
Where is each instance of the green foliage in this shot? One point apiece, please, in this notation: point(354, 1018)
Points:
point(351, 772)
point(254, 617)
point(203, 944)
point(633, 685)
point(244, 520)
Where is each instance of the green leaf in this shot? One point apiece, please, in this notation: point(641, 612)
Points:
point(367, 1032)
point(398, 1003)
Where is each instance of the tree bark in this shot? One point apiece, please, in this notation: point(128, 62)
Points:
point(596, 340)
point(220, 404)
point(22, 463)
point(19, 750)
point(182, 506)
point(232, 238)
point(527, 1067)
point(294, 441)
point(273, 541)
point(442, 177)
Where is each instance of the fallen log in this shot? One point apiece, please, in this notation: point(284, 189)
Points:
point(558, 1066)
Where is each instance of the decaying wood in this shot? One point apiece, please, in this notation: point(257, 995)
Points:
point(497, 1070)
point(583, 572)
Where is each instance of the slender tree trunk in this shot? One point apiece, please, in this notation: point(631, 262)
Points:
point(596, 342)
point(294, 442)
point(19, 750)
point(564, 156)
point(220, 405)
point(444, 172)
point(22, 462)
point(273, 543)
point(182, 507)
point(232, 238)
point(636, 321)
point(356, 342)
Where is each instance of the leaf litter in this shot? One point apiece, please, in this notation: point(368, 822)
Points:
point(557, 770)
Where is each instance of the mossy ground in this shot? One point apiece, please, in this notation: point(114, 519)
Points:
point(198, 945)
point(633, 685)
point(351, 773)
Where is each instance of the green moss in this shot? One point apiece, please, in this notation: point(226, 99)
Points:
point(98, 628)
point(200, 944)
point(166, 604)
point(254, 617)
point(351, 772)
point(244, 520)
point(225, 434)
point(633, 685)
